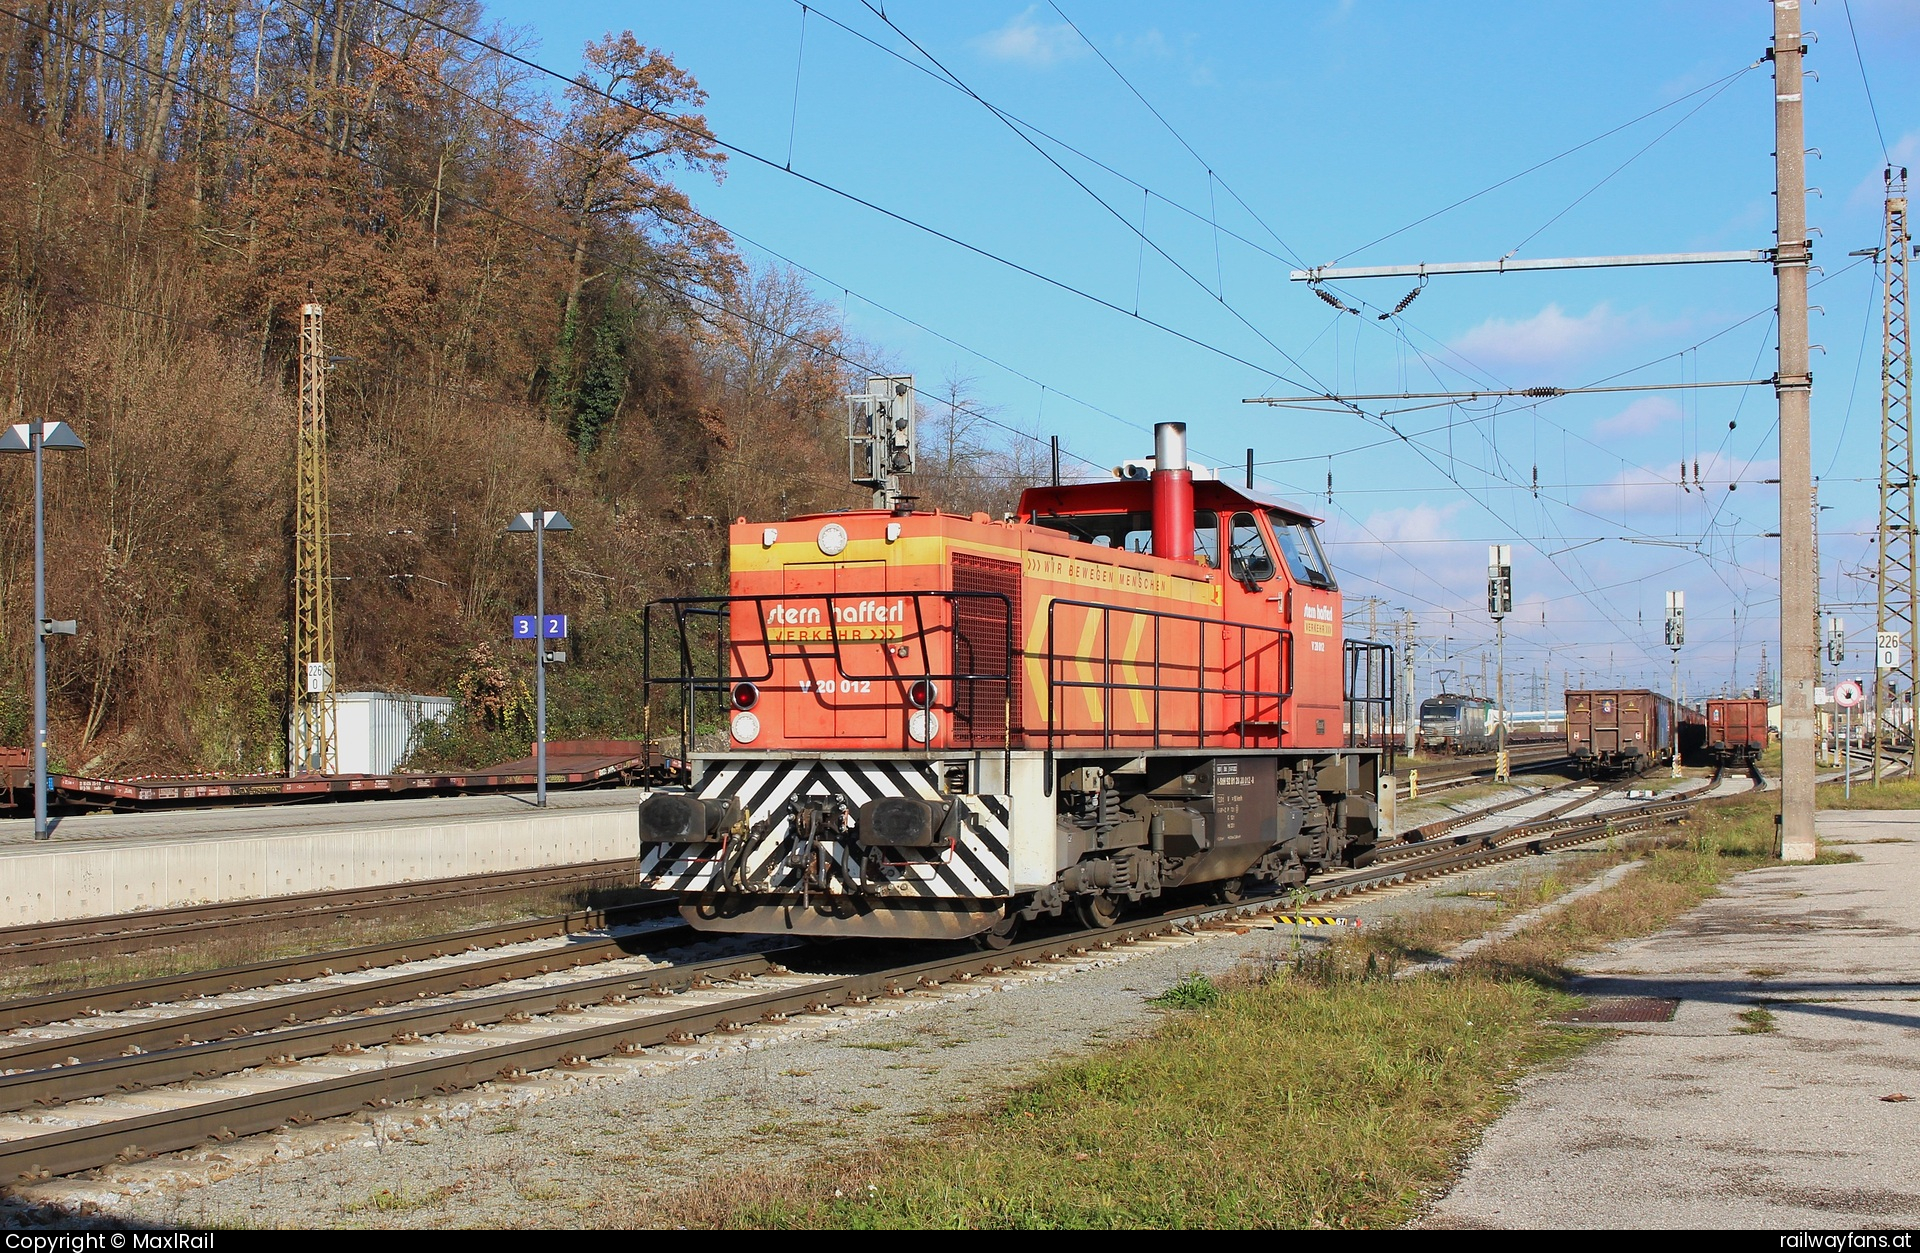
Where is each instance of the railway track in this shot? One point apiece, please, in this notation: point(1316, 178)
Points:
point(124, 1077)
point(119, 934)
point(1539, 759)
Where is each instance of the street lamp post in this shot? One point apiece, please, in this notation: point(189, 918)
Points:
point(539, 523)
point(34, 437)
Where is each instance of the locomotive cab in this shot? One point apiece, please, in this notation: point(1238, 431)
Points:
point(937, 725)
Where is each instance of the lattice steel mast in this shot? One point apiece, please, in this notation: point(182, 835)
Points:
point(1898, 607)
point(314, 734)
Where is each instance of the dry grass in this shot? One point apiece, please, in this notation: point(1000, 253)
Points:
point(1240, 1114)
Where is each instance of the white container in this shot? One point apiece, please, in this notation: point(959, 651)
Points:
point(376, 728)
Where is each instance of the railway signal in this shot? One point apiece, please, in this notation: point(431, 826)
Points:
point(1676, 637)
point(1500, 604)
point(881, 440)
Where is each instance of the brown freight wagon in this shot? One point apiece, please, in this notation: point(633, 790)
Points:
point(1736, 730)
point(1619, 731)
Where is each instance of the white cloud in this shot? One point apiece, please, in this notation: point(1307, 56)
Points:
point(1549, 338)
point(1642, 417)
point(1872, 187)
point(1032, 42)
point(1418, 522)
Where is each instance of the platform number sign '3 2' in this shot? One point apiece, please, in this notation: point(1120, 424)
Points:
point(527, 626)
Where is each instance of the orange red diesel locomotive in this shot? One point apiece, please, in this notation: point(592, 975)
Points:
point(940, 725)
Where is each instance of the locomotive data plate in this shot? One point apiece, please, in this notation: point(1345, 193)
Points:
point(1246, 801)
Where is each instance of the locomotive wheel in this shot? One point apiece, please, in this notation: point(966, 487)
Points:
point(1097, 911)
point(1230, 891)
point(1001, 934)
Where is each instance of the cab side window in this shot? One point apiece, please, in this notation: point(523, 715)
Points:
point(1206, 539)
point(1250, 561)
point(1301, 547)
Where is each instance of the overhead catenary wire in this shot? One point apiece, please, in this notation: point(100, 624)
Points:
point(1846, 7)
point(1541, 165)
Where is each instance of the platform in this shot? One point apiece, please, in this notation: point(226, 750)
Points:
point(1784, 1093)
point(116, 863)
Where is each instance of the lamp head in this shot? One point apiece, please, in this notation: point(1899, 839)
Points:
point(55, 436)
point(554, 521)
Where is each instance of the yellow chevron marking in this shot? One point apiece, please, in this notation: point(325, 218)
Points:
point(1129, 672)
point(1086, 667)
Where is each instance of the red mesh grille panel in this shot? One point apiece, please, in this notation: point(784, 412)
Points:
point(980, 631)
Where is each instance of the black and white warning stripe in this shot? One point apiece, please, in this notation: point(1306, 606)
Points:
point(977, 867)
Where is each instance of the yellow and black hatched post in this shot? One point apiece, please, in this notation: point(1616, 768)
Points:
point(1413, 785)
point(1502, 767)
point(1315, 920)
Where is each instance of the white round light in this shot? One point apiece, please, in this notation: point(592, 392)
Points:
point(769, 537)
point(923, 725)
point(833, 539)
point(746, 727)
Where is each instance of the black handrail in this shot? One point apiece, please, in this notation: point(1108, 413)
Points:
point(1372, 705)
point(721, 681)
point(1107, 686)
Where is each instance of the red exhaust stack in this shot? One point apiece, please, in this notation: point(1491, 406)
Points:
point(1172, 492)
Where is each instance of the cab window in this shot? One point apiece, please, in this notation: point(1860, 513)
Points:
point(1133, 532)
point(1247, 555)
point(1301, 547)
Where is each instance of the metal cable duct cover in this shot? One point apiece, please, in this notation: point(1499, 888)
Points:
point(1172, 492)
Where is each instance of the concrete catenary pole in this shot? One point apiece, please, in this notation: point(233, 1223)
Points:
point(1794, 388)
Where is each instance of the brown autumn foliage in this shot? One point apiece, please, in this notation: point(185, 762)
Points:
point(523, 309)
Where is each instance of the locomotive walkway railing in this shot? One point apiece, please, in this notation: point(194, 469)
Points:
point(1370, 698)
point(1181, 682)
point(827, 638)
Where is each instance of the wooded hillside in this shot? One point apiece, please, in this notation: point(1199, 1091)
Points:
point(524, 309)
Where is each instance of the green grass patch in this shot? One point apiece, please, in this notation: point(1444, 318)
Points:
point(1196, 991)
point(1757, 1021)
point(1890, 794)
point(1313, 1096)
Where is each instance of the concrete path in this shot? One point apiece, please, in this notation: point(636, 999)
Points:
point(1706, 1122)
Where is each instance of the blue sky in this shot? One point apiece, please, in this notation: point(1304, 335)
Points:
point(1304, 133)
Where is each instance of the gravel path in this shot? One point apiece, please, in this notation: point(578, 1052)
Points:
point(577, 1148)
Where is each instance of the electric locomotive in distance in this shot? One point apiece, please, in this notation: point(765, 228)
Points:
point(940, 725)
point(1457, 724)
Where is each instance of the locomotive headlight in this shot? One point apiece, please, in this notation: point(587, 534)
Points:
point(746, 727)
point(833, 539)
point(922, 725)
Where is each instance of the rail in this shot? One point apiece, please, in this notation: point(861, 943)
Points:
point(764, 649)
point(1252, 700)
